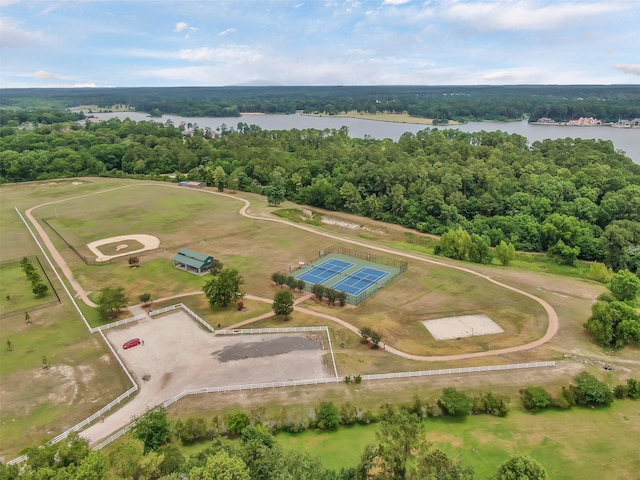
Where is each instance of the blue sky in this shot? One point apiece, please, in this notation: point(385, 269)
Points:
point(115, 43)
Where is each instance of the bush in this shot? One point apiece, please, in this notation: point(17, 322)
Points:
point(491, 404)
point(348, 414)
point(535, 398)
point(591, 391)
point(327, 416)
point(454, 403)
point(633, 388)
point(620, 391)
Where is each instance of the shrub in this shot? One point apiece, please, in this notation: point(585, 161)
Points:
point(327, 416)
point(591, 391)
point(455, 403)
point(535, 398)
point(633, 388)
point(620, 391)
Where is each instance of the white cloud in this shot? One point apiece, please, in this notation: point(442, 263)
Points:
point(226, 32)
point(527, 14)
point(395, 2)
point(46, 75)
point(12, 36)
point(180, 26)
point(230, 54)
point(631, 68)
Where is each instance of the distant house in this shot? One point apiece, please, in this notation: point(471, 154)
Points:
point(622, 124)
point(635, 122)
point(190, 184)
point(585, 121)
point(192, 261)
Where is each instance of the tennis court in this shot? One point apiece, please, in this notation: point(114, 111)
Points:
point(358, 274)
point(325, 271)
point(360, 280)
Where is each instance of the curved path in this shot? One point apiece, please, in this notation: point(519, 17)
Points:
point(553, 320)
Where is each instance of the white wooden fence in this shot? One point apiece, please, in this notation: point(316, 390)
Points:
point(142, 316)
point(186, 309)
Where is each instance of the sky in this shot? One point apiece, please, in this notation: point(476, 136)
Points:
point(139, 43)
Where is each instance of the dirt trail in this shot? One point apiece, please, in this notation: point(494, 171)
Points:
point(147, 397)
point(553, 320)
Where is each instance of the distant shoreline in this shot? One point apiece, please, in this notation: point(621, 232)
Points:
point(385, 117)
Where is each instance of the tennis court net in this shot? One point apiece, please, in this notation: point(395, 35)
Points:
point(325, 269)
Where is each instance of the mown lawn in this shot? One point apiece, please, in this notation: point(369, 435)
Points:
point(575, 444)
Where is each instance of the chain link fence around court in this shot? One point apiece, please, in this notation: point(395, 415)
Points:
point(398, 268)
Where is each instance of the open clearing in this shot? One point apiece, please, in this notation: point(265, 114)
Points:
point(86, 211)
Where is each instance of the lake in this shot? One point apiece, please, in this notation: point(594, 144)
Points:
point(625, 139)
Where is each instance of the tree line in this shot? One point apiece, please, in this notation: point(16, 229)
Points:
point(242, 446)
point(575, 198)
point(461, 103)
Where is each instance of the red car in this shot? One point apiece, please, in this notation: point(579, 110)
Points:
point(132, 343)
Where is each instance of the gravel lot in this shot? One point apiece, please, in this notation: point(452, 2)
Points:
point(178, 354)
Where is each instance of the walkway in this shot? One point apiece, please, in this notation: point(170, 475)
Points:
point(553, 320)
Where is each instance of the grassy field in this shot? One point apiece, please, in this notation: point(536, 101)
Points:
point(85, 210)
point(15, 290)
point(572, 445)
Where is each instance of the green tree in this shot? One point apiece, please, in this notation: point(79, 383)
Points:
point(276, 189)
point(633, 388)
point(219, 178)
point(172, 458)
point(238, 421)
point(614, 324)
point(454, 244)
point(40, 289)
point(455, 403)
point(221, 466)
point(350, 197)
point(152, 429)
point(125, 457)
point(400, 434)
point(224, 289)
point(625, 286)
point(318, 290)
point(327, 416)
point(375, 338)
point(93, 467)
point(279, 278)
point(600, 272)
point(564, 253)
point(505, 253)
point(111, 300)
point(145, 298)
point(591, 391)
point(437, 465)
point(283, 303)
point(535, 398)
point(521, 467)
point(479, 249)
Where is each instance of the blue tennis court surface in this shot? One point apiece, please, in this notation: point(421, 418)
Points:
point(359, 281)
point(325, 271)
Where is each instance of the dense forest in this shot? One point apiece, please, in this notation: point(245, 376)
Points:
point(468, 103)
point(578, 198)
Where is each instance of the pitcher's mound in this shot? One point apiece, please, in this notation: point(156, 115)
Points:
point(465, 326)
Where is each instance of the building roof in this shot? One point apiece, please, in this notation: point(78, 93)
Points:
point(188, 261)
point(193, 254)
